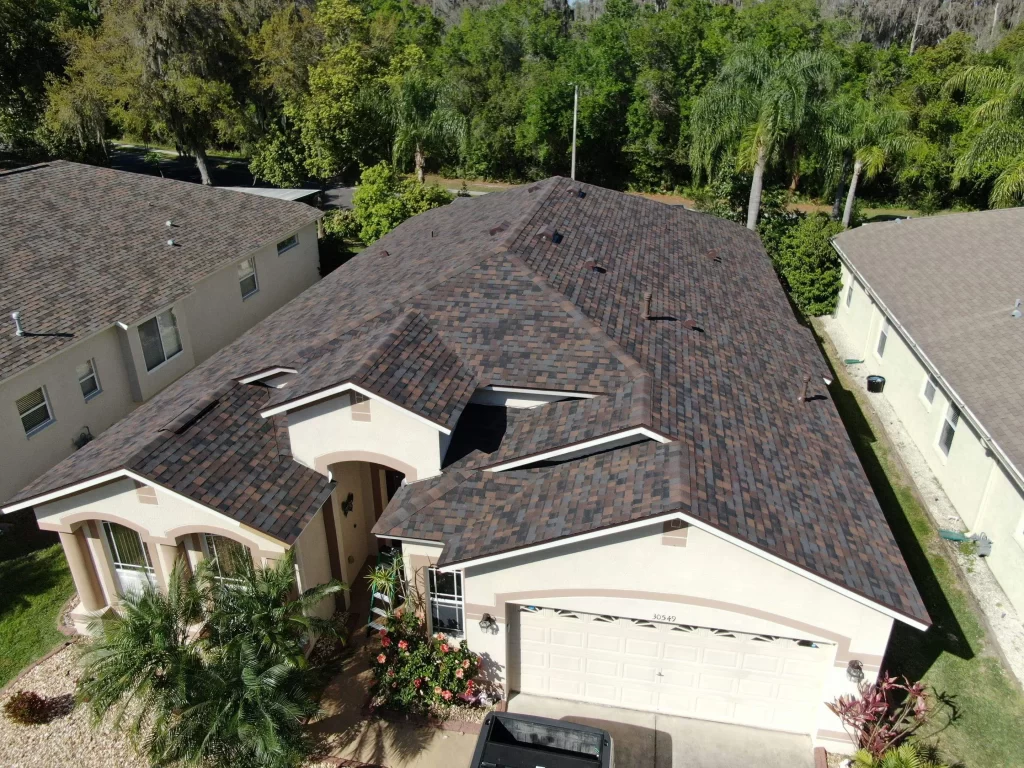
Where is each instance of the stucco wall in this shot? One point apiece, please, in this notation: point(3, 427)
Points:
point(710, 582)
point(982, 492)
point(356, 541)
point(312, 561)
point(22, 457)
point(325, 432)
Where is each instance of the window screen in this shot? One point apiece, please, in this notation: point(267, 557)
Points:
point(34, 411)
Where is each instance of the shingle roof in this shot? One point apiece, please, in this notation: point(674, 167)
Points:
point(951, 282)
point(85, 247)
point(484, 291)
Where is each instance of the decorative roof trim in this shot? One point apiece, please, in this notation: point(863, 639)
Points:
point(597, 441)
point(530, 391)
point(266, 373)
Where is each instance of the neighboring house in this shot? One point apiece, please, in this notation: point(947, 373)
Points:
point(590, 422)
point(110, 311)
point(934, 305)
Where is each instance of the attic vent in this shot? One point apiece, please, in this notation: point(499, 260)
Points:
point(533, 189)
point(551, 234)
point(1016, 310)
point(647, 299)
point(713, 255)
point(500, 228)
point(593, 266)
point(193, 420)
point(384, 254)
point(578, 193)
point(691, 325)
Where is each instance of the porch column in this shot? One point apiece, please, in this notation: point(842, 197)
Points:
point(83, 571)
point(167, 554)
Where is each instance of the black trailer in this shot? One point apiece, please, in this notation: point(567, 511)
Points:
point(523, 741)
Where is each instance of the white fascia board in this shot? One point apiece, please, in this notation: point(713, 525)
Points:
point(596, 442)
point(425, 542)
point(68, 491)
point(704, 527)
point(265, 374)
point(550, 392)
point(339, 389)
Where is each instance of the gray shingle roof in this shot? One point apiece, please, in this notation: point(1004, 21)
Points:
point(952, 281)
point(83, 247)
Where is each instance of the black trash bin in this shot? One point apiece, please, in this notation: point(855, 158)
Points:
point(876, 383)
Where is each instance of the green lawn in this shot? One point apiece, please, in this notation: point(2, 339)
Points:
point(985, 722)
point(35, 583)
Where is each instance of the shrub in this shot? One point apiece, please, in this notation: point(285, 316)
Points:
point(414, 672)
point(884, 714)
point(29, 708)
point(384, 199)
point(903, 756)
point(809, 265)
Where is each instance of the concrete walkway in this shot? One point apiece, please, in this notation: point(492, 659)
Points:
point(648, 740)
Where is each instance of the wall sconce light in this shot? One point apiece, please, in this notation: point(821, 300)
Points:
point(855, 671)
point(348, 504)
point(488, 624)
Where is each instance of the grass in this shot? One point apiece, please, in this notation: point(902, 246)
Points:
point(983, 724)
point(36, 583)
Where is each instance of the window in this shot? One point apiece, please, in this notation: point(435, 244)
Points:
point(949, 428)
point(225, 552)
point(247, 278)
point(34, 410)
point(132, 563)
point(287, 244)
point(447, 612)
point(930, 386)
point(882, 338)
point(87, 379)
point(849, 294)
point(160, 339)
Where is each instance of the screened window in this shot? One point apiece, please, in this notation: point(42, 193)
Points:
point(34, 410)
point(849, 294)
point(447, 610)
point(225, 553)
point(929, 389)
point(949, 428)
point(287, 244)
point(160, 339)
point(247, 278)
point(87, 379)
point(128, 550)
point(883, 337)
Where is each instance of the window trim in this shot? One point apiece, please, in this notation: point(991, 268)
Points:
point(883, 338)
point(954, 424)
point(49, 412)
point(209, 547)
point(849, 294)
point(289, 242)
point(255, 278)
point(115, 556)
point(455, 600)
point(928, 380)
point(181, 344)
point(94, 374)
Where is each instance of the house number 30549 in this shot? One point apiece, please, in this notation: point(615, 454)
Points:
point(664, 617)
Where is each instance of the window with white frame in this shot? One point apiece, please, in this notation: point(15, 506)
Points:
point(247, 278)
point(160, 339)
point(133, 565)
point(883, 336)
point(949, 428)
point(225, 553)
point(34, 409)
point(287, 244)
point(87, 379)
point(849, 294)
point(447, 608)
point(930, 385)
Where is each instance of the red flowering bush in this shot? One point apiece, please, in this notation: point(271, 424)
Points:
point(413, 672)
point(29, 708)
point(885, 713)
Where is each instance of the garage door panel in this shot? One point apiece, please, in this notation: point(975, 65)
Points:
point(715, 674)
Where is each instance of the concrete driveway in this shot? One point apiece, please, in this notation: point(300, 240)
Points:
point(647, 740)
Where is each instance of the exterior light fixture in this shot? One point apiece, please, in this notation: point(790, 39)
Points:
point(488, 624)
point(855, 671)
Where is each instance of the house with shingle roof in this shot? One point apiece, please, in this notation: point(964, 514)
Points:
point(589, 423)
point(114, 285)
point(936, 306)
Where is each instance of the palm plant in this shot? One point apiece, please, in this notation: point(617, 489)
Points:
point(998, 124)
point(759, 101)
point(906, 755)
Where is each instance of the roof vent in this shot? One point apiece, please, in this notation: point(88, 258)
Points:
point(533, 189)
point(18, 330)
point(384, 253)
point(577, 193)
point(648, 298)
point(713, 255)
point(593, 266)
point(691, 325)
point(1016, 309)
point(169, 223)
point(171, 242)
point(500, 228)
point(803, 390)
point(552, 234)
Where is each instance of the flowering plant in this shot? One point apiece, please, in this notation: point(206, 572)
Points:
point(884, 713)
point(414, 671)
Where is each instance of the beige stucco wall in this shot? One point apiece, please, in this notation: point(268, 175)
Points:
point(356, 543)
point(312, 561)
point(982, 492)
point(325, 432)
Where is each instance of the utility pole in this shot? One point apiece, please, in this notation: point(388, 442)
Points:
point(575, 112)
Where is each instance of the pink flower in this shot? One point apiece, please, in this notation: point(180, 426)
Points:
point(465, 663)
point(440, 636)
point(437, 690)
point(381, 658)
point(444, 648)
point(446, 695)
point(385, 641)
point(384, 633)
point(403, 646)
point(469, 685)
point(391, 673)
point(458, 673)
point(418, 682)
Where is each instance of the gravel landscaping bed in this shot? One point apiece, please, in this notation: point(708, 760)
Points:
point(67, 740)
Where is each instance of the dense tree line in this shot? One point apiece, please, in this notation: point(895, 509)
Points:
point(833, 100)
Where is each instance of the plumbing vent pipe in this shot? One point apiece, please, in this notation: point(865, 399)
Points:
point(648, 296)
point(18, 330)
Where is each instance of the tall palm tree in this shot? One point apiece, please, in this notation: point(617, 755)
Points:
point(758, 102)
point(999, 123)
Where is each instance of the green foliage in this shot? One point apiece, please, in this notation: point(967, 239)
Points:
point(907, 755)
point(29, 708)
point(809, 264)
point(413, 672)
point(213, 671)
point(384, 199)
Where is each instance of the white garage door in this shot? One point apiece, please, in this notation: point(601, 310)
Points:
point(713, 674)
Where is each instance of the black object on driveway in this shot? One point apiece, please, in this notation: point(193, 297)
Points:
point(525, 741)
point(876, 383)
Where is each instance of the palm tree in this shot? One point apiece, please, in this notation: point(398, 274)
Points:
point(759, 101)
point(999, 124)
point(421, 117)
point(873, 132)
